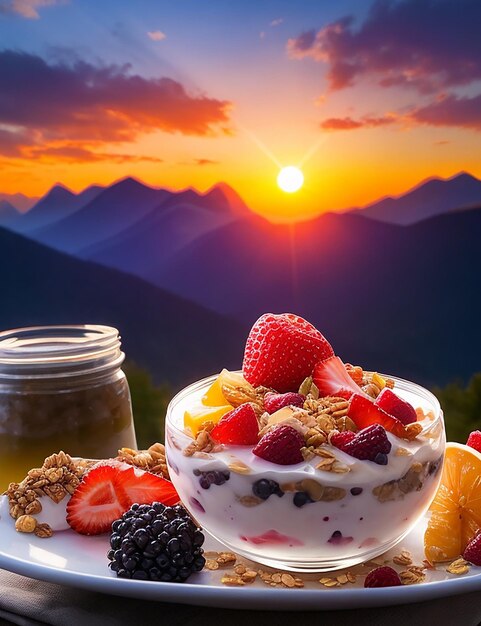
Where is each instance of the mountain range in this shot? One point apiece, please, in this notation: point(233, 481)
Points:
point(177, 340)
point(399, 295)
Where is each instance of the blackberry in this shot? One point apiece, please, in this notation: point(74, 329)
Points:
point(265, 488)
point(212, 477)
point(156, 542)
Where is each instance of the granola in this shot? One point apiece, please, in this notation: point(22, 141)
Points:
point(151, 460)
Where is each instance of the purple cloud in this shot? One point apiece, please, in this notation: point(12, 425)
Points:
point(451, 111)
point(427, 44)
point(42, 104)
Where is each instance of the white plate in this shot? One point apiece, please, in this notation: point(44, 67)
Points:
point(71, 559)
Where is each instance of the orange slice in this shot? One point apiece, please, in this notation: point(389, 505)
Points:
point(456, 508)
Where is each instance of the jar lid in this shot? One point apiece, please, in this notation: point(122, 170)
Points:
point(48, 351)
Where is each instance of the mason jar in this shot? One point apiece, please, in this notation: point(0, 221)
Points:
point(61, 388)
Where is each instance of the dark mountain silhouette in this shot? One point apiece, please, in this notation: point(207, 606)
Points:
point(402, 300)
point(8, 213)
point(165, 230)
point(433, 197)
point(57, 204)
point(19, 200)
point(176, 340)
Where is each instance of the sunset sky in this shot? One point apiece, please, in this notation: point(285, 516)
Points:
point(368, 98)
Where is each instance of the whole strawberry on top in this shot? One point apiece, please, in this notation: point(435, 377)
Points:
point(281, 351)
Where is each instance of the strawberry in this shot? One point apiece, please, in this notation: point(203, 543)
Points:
point(474, 440)
point(396, 406)
point(108, 490)
point(275, 401)
point(341, 439)
point(472, 552)
point(382, 577)
point(332, 379)
point(369, 444)
point(281, 445)
point(364, 412)
point(281, 351)
point(238, 427)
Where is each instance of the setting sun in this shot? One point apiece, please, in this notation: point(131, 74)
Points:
point(290, 179)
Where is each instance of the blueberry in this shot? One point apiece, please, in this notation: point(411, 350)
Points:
point(301, 498)
point(356, 491)
point(380, 458)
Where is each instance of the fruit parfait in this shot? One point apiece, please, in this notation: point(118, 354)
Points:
point(301, 461)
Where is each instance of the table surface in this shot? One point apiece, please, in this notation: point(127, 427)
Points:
point(29, 602)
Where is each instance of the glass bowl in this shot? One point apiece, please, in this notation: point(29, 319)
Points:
point(348, 517)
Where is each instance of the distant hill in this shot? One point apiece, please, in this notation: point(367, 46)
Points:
point(178, 341)
point(57, 204)
point(8, 213)
point(428, 199)
point(179, 219)
point(403, 300)
point(19, 200)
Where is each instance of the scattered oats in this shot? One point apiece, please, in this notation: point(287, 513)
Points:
point(226, 558)
point(25, 524)
point(211, 565)
point(326, 453)
point(342, 579)
point(249, 576)
point(413, 430)
point(403, 559)
point(277, 577)
point(402, 452)
point(239, 468)
point(329, 582)
point(314, 489)
point(234, 581)
point(250, 501)
point(43, 531)
point(211, 554)
point(288, 580)
point(240, 569)
point(458, 567)
point(417, 467)
point(412, 576)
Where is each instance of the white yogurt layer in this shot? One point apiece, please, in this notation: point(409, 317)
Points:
point(55, 515)
point(361, 511)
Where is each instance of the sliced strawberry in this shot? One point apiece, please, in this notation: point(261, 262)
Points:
point(364, 412)
point(110, 489)
point(474, 440)
point(341, 439)
point(143, 488)
point(331, 378)
point(281, 445)
point(275, 401)
point(238, 427)
point(396, 406)
point(281, 351)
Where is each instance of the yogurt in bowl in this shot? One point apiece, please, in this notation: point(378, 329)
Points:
point(302, 462)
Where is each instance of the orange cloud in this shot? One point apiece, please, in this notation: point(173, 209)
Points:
point(26, 8)
point(347, 123)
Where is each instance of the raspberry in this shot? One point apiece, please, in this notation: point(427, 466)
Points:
point(472, 553)
point(341, 439)
point(382, 577)
point(275, 401)
point(474, 440)
point(368, 443)
point(281, 351)
point(282, 445)
point(238, 427)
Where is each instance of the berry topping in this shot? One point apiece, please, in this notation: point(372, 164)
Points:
point(472, 553)
point(332, 379)
point(108, 490)
point(155, 542)
point(281, 445)
point(341, 439)
point(275, 401)
point(238, 427)
point(474, 440)
point(265, 488)
point(356, 491)
point(382, 577)
point(212, 477)
point(370, 444)
point(364, 412)
point(301, 498)
point(396, 406)
point(281, 351)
